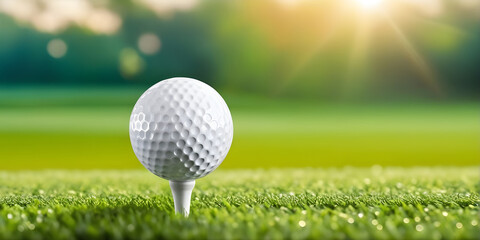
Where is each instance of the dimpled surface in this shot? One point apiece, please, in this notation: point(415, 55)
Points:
point(181, 129)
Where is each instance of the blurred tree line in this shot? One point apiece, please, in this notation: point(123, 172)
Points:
point(313, 49)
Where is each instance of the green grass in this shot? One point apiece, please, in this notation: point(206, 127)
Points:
point(345, 203)
point(267, 134)
point(88, 129)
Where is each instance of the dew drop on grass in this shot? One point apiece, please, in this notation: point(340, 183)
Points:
point(302, 223)
point(360, 215)
point(445, 214)
point(417, 219)
point(419, 228)
point(374, 222)
point(436, 224)
point(459, 225)
point(10, 216)
point(406, 220)
point(379, 227)
point(31, 226)
point(350, 220)
point(474, 223)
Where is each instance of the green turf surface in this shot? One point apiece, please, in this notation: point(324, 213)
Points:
point(267, 134)
point(346, 203)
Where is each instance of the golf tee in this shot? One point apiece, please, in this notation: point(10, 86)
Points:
point(182, 193)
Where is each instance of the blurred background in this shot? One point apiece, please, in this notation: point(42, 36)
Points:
point(310, 83)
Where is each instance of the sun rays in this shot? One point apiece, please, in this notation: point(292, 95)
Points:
point(360, 49)
point(426, 72)
point(357, 57)
point(335, 22)
point(364, 15)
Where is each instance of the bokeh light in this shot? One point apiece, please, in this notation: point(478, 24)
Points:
point(57, 48)
point(103, 21)
point(166, 7)
point(53, 16)
point(149, 43)
point(130, 62)
point(21, 10)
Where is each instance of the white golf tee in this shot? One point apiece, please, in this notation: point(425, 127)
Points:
point(182, 193)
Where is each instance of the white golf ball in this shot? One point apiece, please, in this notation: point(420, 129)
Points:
point(181, 129)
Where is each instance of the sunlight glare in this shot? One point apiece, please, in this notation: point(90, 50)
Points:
point(369, 4)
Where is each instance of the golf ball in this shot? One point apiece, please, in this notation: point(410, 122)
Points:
point(181, 129)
